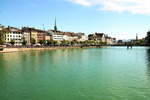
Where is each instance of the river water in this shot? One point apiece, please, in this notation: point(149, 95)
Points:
point(111, 73)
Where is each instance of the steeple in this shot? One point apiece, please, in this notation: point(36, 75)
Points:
point(55, 26)
point(136, 36)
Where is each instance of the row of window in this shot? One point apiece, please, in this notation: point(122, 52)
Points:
point(14, 36)
point(40, 37)
point(58, 38)
point(15, 33)
point(26, 35)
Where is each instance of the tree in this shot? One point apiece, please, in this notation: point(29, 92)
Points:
point(51, 42)
point(12, 41)
point(120, 41)
point(33, 41)
point(24, 42)
point(41, 42)
point(48, 42)
point(102, 42)
point(77, 42)
point(3, 32)
point(67, 42)
point(81, 42)
point(72, 43)
point(55, 42)
point(63, 42)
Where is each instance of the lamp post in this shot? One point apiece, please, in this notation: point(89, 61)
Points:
point(44, 34)
point(43, 27)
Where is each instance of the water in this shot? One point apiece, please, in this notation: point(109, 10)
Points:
point(112, 73)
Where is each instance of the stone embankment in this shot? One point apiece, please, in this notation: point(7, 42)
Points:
point(20, 49)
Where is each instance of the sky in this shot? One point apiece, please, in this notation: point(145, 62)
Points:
point(121, 19)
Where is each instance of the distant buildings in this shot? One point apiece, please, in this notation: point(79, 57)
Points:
point(147, 38)
point(29, 33)
point(101, 37)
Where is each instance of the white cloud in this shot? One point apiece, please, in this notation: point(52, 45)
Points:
point(81, 2)
point(133, 6)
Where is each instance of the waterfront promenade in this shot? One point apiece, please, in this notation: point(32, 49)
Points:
point(30, 48)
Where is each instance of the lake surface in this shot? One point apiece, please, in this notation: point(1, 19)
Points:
point(112, 73)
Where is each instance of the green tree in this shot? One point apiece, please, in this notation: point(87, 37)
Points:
point(67, 42)
point(48, 42)
point(51, 42)
point(81, 42)
point(77, 42)
point(12, 41)
point(120, 42)
point(3, 32)
point(41, 42)
point(63, 42)
point(33, 41)
point(55, 42)
point(24, 42)
point(72, 43)
point(102, 42)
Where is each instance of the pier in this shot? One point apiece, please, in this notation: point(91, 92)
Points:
point(129, 46)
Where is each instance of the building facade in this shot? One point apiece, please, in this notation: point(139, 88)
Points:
point(14, 34)
point(26, 34)
point(101, 37)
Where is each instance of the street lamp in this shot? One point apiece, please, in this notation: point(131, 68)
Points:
point(43, 27)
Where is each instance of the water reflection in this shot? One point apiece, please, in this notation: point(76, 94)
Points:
point(148, 63)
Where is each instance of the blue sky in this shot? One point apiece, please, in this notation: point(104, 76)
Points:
point(117, 18)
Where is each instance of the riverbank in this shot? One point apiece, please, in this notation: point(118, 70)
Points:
point(22, 49)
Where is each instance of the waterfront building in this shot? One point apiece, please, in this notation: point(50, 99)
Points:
point(26, 34)
point(15, 34)
point(34, 34)
point(82, 37)
point(101, 37)
point(71, 36)
point(56, 35)
point(92, 37)
point(47, 36)
point(41, 35)
point(65, 37)
point(147, 39)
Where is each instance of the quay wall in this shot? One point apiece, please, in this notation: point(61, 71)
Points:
point(5, 50)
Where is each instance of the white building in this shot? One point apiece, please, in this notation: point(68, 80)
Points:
point(65, 37)
point(15, 34)
point(82, 37)
point(56, 35)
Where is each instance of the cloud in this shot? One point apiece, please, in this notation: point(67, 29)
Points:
point(81, 2)
point(133, 6)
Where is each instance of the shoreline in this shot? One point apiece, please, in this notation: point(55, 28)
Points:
point(10, 50)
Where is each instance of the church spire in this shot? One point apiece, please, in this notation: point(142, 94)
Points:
point(136, 36)
point(55, 26)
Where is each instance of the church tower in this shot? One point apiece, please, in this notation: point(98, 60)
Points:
point(136, 36)
point(55, 26)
